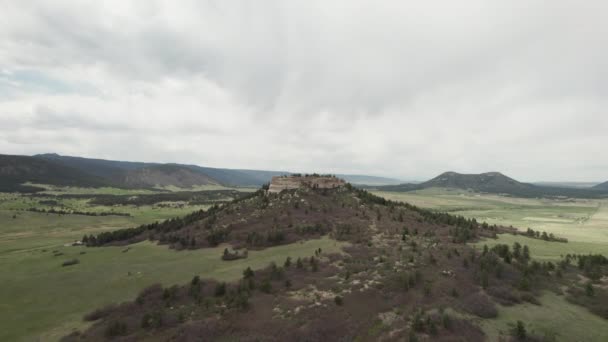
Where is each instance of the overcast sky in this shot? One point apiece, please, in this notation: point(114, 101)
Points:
point(376, 87)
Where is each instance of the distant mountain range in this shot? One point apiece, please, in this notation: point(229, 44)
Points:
point(497, 183)
point(603, 186)
point(55, 169)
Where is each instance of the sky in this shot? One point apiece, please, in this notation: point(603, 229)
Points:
point(391, 88)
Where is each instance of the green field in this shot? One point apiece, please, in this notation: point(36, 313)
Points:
point(567, 322)
point(584, 222)
point(545, 250)
point(41, 300)
point(24, 230)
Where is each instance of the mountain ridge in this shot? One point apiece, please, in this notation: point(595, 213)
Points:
point(601, 186)
point(496, 183)
point(94, 172)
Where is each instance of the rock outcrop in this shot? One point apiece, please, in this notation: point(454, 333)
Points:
point(281, 183)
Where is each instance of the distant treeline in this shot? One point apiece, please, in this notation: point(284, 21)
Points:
point(76, 212)
point(536, 234)
point(192, 197)
point(9, 186)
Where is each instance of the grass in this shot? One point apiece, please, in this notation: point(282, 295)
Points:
point(56, 190)
point(582, 221)
point(40, 299)
point(30, 230)
point(568, 322)
point(545, 250)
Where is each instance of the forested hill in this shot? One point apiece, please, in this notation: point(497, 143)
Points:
point(112, 169)
point(496, 183)
point(165, 175)
point(17, 170)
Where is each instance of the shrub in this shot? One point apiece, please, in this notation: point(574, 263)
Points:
point(339, 301)
point(519, 331)
point(248, 273)
point(116, 328)
point(589, 289)
point(478, 304)
point(99, 313)
point(446, 321)
point(266, 287)
point(220, 289)
point(70, 262)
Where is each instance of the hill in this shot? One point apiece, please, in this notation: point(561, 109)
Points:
point(602, 186)
point(496, 183)
point(16, 170)
point(405, 273)
point(114, 171)
point(108, 169)
point(163, 176)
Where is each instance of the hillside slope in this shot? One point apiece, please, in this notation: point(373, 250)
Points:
point(400, 268)
point(116, 170)
point(602, 186)
point(108, 169)
point(494, 182)
point(163, 176)
point(16, 170)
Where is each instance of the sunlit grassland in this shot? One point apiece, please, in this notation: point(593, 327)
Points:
point(566, 321)
point(23, 230)
point(39, 298)
point(545, 250)
point(584, 222)
point(56, 190)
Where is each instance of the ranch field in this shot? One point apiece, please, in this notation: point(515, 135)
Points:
point(583, 222)
point(41, 300)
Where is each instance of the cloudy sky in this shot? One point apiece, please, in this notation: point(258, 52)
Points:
point(392, 88)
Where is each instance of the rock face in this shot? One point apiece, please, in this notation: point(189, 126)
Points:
point(281, 183)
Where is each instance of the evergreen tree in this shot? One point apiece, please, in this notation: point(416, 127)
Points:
point(520, 331)
point(248, 273)
point(526, 253)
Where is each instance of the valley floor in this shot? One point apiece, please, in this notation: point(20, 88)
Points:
point(584, 222)
point(41, 300)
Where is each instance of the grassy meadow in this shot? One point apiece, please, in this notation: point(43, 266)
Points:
point(41, 300)
point(584, 222)
point(560, 319)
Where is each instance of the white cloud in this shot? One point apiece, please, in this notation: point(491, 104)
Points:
point(333, 86)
